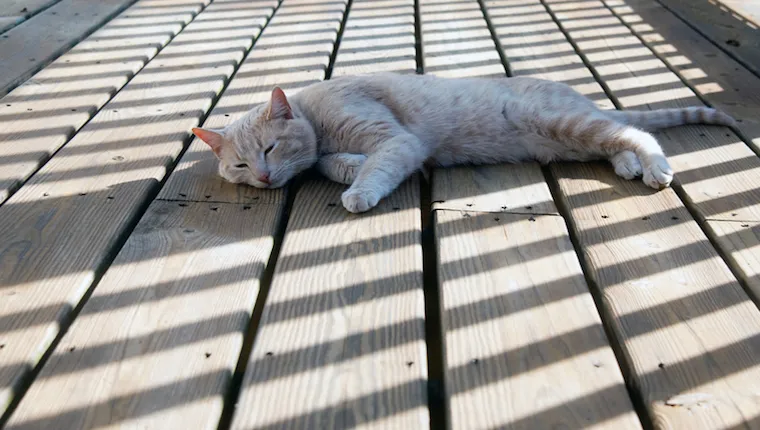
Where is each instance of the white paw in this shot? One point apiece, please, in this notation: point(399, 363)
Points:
point(658, 174)
point(357, 201)
point(627, 165)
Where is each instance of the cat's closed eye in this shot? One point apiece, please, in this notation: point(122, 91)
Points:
point(268, 150)
point(241, 165)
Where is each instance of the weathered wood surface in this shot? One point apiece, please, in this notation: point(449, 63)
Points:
point(341, 342)
point(690, 334)
point(379, 37)
point(727, 86)
point(724, 27)
point(157, 343)
point(749, 10)
point(525, 347)
point(176, 302)
point(39, 116)
point(59, 231)
point(15, 12)
point(651, 263)
point(716, 170)
point(716, 76)
point(27, 48)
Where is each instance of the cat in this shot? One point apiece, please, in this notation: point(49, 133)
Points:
point(373, 131)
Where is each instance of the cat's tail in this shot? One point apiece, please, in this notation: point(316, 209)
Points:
point(663, 118)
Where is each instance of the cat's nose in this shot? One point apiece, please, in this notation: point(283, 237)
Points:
point(264, 179)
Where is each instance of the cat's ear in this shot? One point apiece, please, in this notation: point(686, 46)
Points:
point(279, 108)
point(213, 138)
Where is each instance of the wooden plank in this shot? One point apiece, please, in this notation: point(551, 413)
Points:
point(727, 29)
point(60, 231)
point(715, 169)
point(24, 7)
point(39, 116)
point(7, 22)
point(553, 367)
point(749, 10)
point(519, 188)
point(379, 37)
point(719, 189)
point(167, 317)
point(688, 332)
point(525, 346)
point(15, 12)
point(341, 341)
point(28, 48)
point(718, 78)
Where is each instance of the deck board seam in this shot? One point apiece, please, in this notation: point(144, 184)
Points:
point(506, 212)
point(18, 80)
point(676, 185)
point(622, 357)
point(217, 202)
point(27, 17)
point(710, 39)
point(25, 382)
point(16, 187)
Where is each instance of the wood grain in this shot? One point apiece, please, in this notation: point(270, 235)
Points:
point(39, 116)
point(24, 7)
point(341, 341)
point(28, 48)
point(15, 12)
point(512, 188)
point(379, 37)
point(168, 316)
point(525, 346)
point(717, 77)
point(687, 328)
point(720, 24)
point(688, 332)
point(522, 339)
point(60, 230)
point(715, 169)
point(741, 241)
point(534, 47)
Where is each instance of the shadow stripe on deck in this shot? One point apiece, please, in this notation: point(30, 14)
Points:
point(41, 115)
point(610, 201)
point(61, 208)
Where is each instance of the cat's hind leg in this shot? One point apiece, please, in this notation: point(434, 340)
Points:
point(626, 165)
point(656, 170)
point(592, 134)
point(341, 167)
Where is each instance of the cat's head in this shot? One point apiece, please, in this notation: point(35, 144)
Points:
point(264, 148)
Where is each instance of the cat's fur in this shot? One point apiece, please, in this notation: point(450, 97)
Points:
point(373, 131)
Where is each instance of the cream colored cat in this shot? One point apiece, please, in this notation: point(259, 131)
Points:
point(373, 131)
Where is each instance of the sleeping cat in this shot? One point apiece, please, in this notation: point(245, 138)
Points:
point(373, 131)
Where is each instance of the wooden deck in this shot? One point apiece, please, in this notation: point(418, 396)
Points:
point(139, 290)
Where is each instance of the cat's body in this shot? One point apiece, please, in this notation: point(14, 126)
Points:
point(373, 131)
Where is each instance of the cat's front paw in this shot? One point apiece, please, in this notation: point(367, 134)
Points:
point(658, 174)
point(357, 201)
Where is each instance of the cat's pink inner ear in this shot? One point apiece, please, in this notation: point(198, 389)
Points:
point(212, 138)
point(279, 108)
